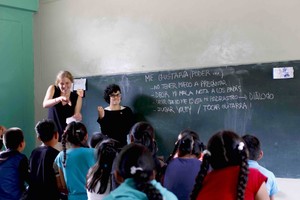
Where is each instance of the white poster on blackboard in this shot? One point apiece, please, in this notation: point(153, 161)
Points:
point(283, 72)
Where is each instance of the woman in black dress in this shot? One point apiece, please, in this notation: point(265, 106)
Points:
point(115, 120)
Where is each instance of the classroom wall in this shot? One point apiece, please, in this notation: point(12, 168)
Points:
point(92, 37)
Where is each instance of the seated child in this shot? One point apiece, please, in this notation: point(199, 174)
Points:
point(255, 154)
point(42, 176)
point(73, 163)
point(99, 177)
point(230, 177)
point(14, 170)
point(135, 173)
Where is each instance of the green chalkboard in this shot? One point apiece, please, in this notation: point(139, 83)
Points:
point(245, 98)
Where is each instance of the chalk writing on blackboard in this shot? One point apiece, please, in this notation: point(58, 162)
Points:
point(177, 92)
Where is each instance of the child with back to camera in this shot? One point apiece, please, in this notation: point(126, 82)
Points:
point(143, 133)
point(230, 178)
point(73, 163)
point(198, 146)
point(135, 171)
point(181, 172)
point(255, 154)
point(14, 170)
point(43, 183)
point(99, 177)
point(96, 138)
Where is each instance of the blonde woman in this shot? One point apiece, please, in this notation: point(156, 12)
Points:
point(62, 103)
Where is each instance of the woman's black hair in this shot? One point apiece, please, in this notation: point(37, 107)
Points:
point(74, 133)
point(101, 171)
point(136, 161)
point(225, 148)
point(112, 88)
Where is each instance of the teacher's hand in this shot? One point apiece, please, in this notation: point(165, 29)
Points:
point(65, 100)
point(78, 117)
point(100, 112)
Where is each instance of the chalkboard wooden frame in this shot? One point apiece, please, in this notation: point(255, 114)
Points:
point(242, 98)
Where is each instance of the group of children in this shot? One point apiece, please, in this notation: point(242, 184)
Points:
point(225, 168)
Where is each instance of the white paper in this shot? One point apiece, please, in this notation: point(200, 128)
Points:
point(79, 84)
point(283, 72)
point(70, 119)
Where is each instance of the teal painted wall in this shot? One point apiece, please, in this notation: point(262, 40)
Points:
point(17, 72)
point(31, 5)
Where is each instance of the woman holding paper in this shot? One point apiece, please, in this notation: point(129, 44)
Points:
point(62, 103)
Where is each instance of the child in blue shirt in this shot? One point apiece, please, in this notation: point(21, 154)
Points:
point(74, 163)
point(14, 170)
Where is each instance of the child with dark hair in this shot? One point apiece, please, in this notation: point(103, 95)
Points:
point(230, 178)
point(73, 163)
point(96, 138)
point(255, 154)
point(115, 120)
point(198, 146)
point(43, 183)
point(14, 171)
point(181, 171)
point(135, 171)
point(99, 177)
point(143, 133)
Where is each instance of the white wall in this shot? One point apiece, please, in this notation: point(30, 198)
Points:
point(93, 37)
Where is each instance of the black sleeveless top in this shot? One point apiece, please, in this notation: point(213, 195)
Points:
point(59, 113)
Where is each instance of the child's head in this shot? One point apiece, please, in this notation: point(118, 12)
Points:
point(101, 171)
point(198, 146)
point(226, 149)
point(135, 161)
point(185, 145)
point(76, 134)
point(46, 130)
point(254, 147)
point(193, 138)
point(96, 138)
point(13, 139)
point(106, 153)
point(143, 133)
